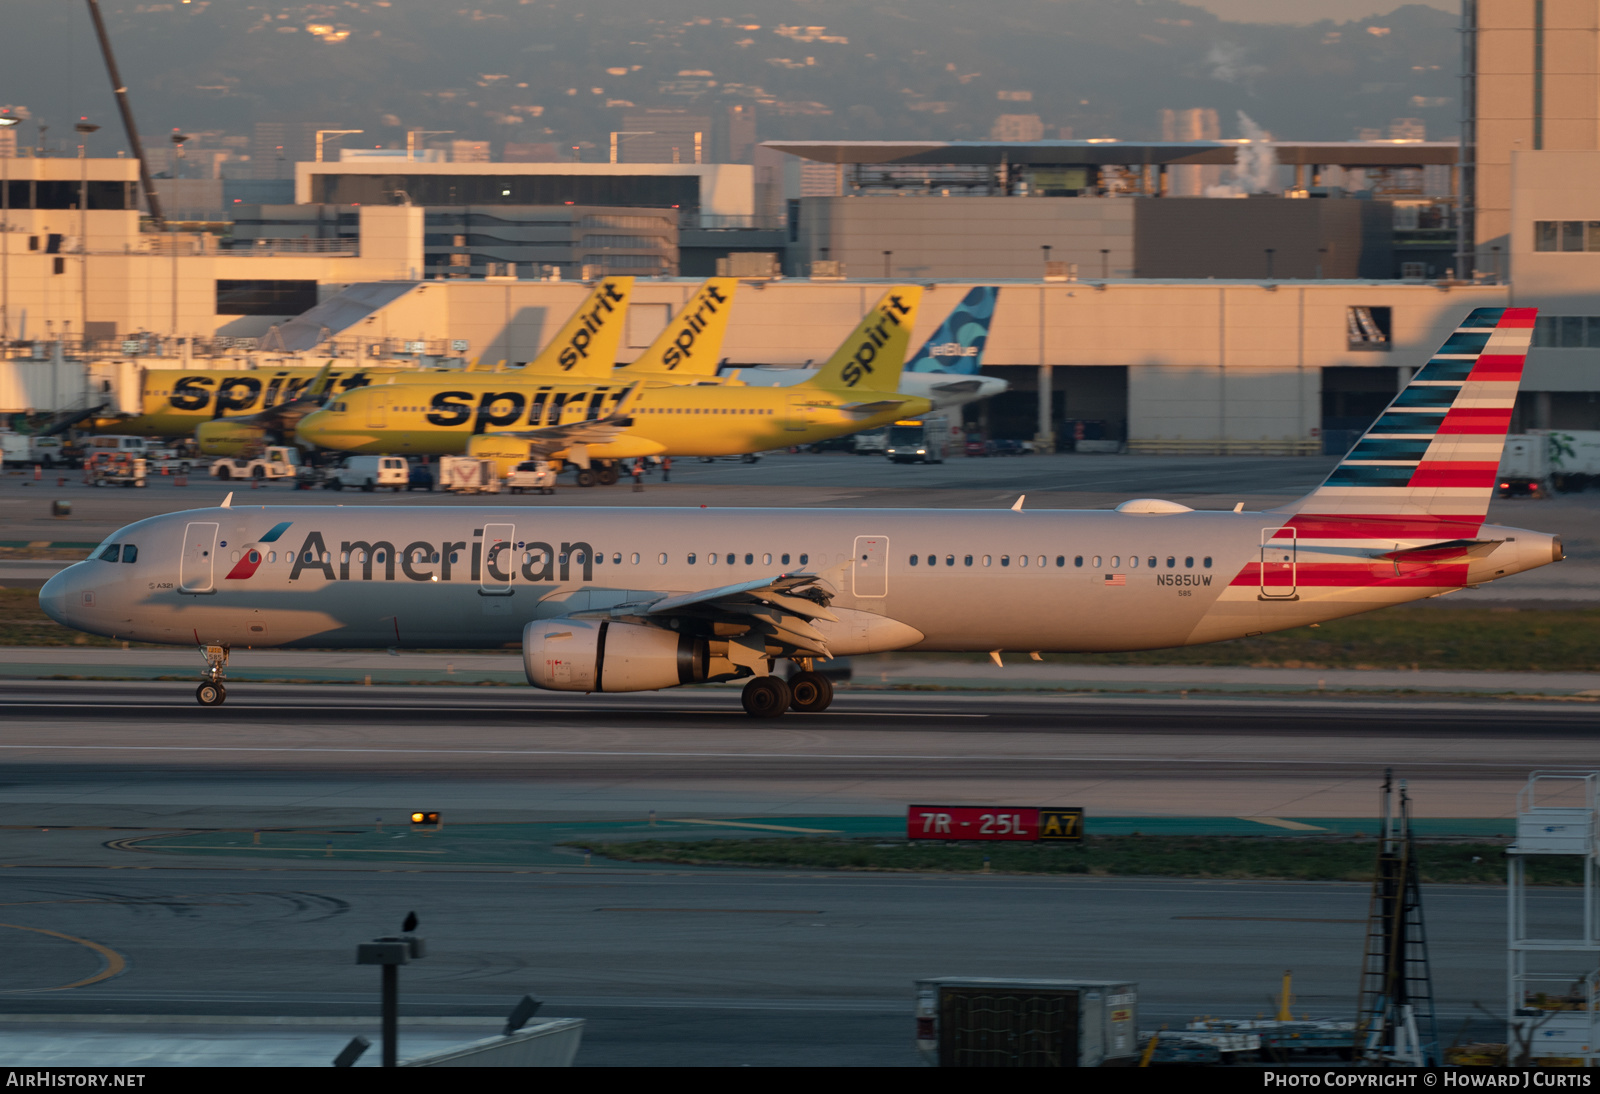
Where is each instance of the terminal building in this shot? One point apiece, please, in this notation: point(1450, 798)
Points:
point(1178, 296)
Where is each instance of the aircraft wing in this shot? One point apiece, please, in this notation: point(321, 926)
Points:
point(880, 406)
point(775, 611)
point(282, 419)
point(551, 439)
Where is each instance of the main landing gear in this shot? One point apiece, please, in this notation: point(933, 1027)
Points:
point(770, 696)
point(211, 693)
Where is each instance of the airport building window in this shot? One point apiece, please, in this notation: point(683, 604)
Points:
point(1207, 562)
point(1566, 235)
point(265, 297)
point(1566, 331)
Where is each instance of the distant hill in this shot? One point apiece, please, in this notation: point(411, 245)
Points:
point(565, 71)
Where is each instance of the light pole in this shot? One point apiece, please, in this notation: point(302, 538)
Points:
point(333, 133)
point(172, 242)
point(1045, 247)
point(84, 128)
point(1270, 252)
point(617, 134)
point(1105, 264)
point(7, 124)
point(390, 952)
point(414, 135)
point(887, 255)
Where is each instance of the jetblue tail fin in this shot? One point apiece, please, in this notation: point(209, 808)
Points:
point(957, 346)
point(1430, 460)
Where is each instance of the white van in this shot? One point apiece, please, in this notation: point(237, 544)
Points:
point(369, 473)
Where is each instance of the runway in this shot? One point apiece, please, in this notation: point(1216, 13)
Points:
point(112, 794)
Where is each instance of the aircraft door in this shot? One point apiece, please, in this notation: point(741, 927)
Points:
point(499, 559)
point(800, 413)
point(378, 409)
point(196, 566)
point(1279, 548)
point(870, 572)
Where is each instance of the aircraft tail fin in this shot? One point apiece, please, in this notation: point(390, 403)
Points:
point(874, 355)
point(587, 345)
point(957, 346)
point(1428, 465)
point(691, 344)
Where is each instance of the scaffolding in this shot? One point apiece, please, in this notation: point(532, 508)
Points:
point(1551, 989)
point(1395, 1022)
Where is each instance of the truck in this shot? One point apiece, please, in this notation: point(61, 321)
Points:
point(874, 440)
point(277, 462)
point(538, 476)
point(918, 440)
point(1542, 461)
point(16, 448)
point(468, 475)
point(369, 473)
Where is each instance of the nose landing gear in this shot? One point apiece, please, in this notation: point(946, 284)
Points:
point(211, 693)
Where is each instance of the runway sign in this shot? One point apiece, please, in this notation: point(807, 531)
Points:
point(968, 822)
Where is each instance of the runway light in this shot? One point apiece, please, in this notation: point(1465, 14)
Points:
point(424, 818)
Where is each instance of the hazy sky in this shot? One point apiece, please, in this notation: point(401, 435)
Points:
point(1309, 11)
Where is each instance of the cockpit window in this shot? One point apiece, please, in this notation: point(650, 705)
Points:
point(111, 553)
point(130, 553)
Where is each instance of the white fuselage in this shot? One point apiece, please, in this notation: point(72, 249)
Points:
point(392, 576)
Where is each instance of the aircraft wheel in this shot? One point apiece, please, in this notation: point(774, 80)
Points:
point(586, 476)
point(210, 695)
point(609, 474)
point(766, 697)
point(810, 692)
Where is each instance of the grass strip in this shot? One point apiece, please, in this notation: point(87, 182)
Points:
point(1281, 858)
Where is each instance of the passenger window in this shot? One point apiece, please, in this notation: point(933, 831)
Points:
point(949, 560)
point(662, 559)
point(1077, 560)
point(1152, 561)
point(969, 560)
point(434, 557)
point(804, 559)
point(634, 559)
point(1188, 562)
point(272, 556)
point(1005, 560)
point(784, 559)
point(1207, 562)
point(130, 553)
point(255, 556)
point(749, 559)
point(1171, 562)
point(1116, 560)
point(933, 560)
point(691, 558)
point(1133, 562)
point(288, 556)
point(766, 560)
point(599, 558)
point(913, 560)
point(111, 553)
point(988, 560)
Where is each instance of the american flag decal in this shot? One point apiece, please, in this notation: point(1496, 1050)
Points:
point(1116, 579)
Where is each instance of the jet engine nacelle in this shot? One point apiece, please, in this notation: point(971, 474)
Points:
point(600, 655)
point(220, 437)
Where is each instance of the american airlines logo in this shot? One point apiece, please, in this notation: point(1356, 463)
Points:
point(250, 560)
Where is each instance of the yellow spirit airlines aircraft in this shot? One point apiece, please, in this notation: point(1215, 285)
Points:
point(630, 599)
point(508, 418)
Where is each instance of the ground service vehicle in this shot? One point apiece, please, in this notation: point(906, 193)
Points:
point(110, 468)
point(918, 440)
point(277, 462)
point(468, 475)
point(368, 473)
point(606, 599)
point(537, 476)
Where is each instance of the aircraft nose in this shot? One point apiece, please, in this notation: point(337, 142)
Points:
point(310, 428)
point(56, 595)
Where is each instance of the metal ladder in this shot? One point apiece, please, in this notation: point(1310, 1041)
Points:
point(1395, 1021)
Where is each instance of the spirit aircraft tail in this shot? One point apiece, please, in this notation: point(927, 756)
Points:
point(957, 346)
point(1427, 467)
point(587, 346)
point(872, 358)
point(692, 342)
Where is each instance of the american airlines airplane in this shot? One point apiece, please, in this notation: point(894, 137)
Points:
point(624, 599)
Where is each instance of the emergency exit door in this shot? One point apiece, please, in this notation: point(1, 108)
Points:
point(1278, 561)
point(870, 573)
